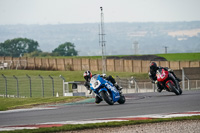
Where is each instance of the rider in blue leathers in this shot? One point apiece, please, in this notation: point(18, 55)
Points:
point(88, 75)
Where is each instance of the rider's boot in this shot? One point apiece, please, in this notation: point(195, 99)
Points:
point(97, 100)
point(159, 90)
point(118, 88)
point(178, 79)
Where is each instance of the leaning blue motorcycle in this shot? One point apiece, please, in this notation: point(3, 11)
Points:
point(106, 91)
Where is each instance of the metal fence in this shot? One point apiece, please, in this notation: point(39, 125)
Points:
point(30, 86)
point(192, 84)
point(133, 86)
point(50, 86)
point(130, 85)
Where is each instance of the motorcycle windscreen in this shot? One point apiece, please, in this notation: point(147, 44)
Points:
point(95, 83)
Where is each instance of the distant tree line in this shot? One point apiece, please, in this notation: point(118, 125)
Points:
point(27, 47)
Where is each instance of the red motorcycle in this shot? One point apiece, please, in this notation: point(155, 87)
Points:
point(168, 81)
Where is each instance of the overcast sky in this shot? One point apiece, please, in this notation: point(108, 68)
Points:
point(88, 11)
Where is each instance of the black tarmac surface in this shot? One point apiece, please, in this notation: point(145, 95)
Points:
point(136, 104)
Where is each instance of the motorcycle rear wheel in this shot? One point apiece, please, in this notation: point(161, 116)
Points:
point(106, 97)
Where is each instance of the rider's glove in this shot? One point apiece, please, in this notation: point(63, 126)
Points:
point(155, 82)
point(170, 70)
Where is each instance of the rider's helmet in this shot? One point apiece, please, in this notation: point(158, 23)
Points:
point(104, 75)
point(87, 75)
point(153, 66)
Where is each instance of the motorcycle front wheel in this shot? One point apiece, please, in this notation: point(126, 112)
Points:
point(106, 97)
point(122, 99)
point(173, 88)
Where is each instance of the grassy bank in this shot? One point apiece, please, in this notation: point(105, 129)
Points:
point(14, 103)
point(69, 75)
point(175, 56)
point(169, 56)
point(181, 56)
point(79, 127)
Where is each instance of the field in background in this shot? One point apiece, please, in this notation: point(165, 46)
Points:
point(69, 75)
point(176, 56)
point(190, 33)
point(181, 56)
point(169, 56)
point(78, 75)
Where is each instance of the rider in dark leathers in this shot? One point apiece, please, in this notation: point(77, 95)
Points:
point(152, 75)
point(112, 80)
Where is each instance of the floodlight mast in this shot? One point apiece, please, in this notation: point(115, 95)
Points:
point(166, 49)
point(102, 41)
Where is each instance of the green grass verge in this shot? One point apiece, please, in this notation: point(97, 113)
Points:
point(13, 103)
point(181, 56)
point(169, 56)
point(102, 125)
point(70, 75)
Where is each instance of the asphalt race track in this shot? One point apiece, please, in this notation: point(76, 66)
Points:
point(136, 104)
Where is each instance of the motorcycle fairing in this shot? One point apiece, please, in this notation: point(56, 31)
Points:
point(114, 92)
point(161, 75)
point(99, 84)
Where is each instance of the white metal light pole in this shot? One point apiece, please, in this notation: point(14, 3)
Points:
point(166, 49)
point(102, 41)
point(136, 47)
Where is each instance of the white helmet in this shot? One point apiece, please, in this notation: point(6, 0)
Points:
point(104, 75)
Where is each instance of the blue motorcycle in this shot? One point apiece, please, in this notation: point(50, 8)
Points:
point(105, 90)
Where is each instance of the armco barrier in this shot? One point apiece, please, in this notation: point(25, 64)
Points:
point(82, 64)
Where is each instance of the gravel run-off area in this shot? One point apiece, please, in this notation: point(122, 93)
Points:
point(187, 126)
